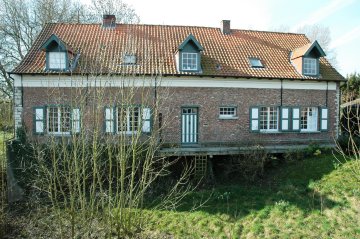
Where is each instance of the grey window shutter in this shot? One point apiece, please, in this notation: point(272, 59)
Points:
point(296, 118)
point(146, 118)
point(39, 120)
point(109, 120)
point(254, 119)
point(285, 118)
point(76, 126)
point(324, 119)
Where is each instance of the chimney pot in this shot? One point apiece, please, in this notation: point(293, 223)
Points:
point(109, 21)
point(225, 27)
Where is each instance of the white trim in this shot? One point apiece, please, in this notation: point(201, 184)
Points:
point(205, 82)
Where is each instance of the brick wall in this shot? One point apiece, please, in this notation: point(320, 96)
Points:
point(212, 130)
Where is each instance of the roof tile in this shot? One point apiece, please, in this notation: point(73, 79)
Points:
point(155, 47)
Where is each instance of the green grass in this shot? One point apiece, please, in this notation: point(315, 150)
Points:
point(302, 199)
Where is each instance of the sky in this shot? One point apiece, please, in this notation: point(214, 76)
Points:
point(342, 17)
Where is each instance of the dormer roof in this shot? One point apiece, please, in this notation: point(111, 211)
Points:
point(192, 39)
point(55, 40)
point(313, 49)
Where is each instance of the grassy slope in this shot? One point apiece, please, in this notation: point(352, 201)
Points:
point(303, 199)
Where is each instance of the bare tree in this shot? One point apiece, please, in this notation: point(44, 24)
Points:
point(123, 12)
point(323, 35)
point(20, 23)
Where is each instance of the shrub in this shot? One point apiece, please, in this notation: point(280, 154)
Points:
point(345, 143)
point(248, 166)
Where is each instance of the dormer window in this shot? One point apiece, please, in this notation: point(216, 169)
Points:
point(57, 55)
point(189, 61)
point(310, 66)
point(306, 59)
point(188, 57)
point(57, 60)
point(255, 62)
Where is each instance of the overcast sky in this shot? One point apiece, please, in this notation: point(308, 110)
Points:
point(341, 16)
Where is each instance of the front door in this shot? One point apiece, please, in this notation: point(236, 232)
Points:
point(189, 125)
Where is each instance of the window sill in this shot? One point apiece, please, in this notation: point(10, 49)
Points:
point(270, 131)
point(290, 132)
point(228, 118)
point(310, 132)
point(58, 134)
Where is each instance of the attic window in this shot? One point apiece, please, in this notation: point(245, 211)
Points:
point(310, 66)
point(57, 60)
point(255, 63)
point(129, 59)
point(189, 61)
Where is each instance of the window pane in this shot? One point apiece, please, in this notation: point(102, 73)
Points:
point(134, 119)
point(310, 66)
point(269, 118)
point(59, 119)
point(122, 119)
point(309, 119)
point(255, 62)
point(65, 119)
point(53, 119)
point(189, 61)
point(57, 60)
point(227, 111)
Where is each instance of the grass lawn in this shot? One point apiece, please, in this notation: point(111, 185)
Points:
point(313, 198)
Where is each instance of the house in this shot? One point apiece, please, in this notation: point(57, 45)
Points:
point(225, 88)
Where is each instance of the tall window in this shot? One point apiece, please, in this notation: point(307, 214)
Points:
point(57, 60)
point(59, 119)
point(310, 66)
point(309, 119)
point(269, 118)
point(128, 119)
point(189, 61)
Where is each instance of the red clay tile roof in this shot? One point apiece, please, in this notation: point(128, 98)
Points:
point(155, 47)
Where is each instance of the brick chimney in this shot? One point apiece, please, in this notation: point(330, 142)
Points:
point(225, 27)
point(109, 21)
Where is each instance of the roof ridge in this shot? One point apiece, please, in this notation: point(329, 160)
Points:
point(168, 25)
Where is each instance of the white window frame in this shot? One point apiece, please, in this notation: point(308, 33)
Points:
point(309, 119)
point(57, 60)
point(268, 111)
point(186, 58)
point(128, 112)
point(59, 120)
point(310, 66)
point(227, 112)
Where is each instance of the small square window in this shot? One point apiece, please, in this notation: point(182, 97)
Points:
point(227, 112)
point(129, 59)
point(255, 63)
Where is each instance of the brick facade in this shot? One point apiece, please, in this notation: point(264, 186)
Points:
point(212, 130)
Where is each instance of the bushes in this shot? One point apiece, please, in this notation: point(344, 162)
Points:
point(247, 166)
point(252, 165)
point(313, 149)
point(347, 144)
